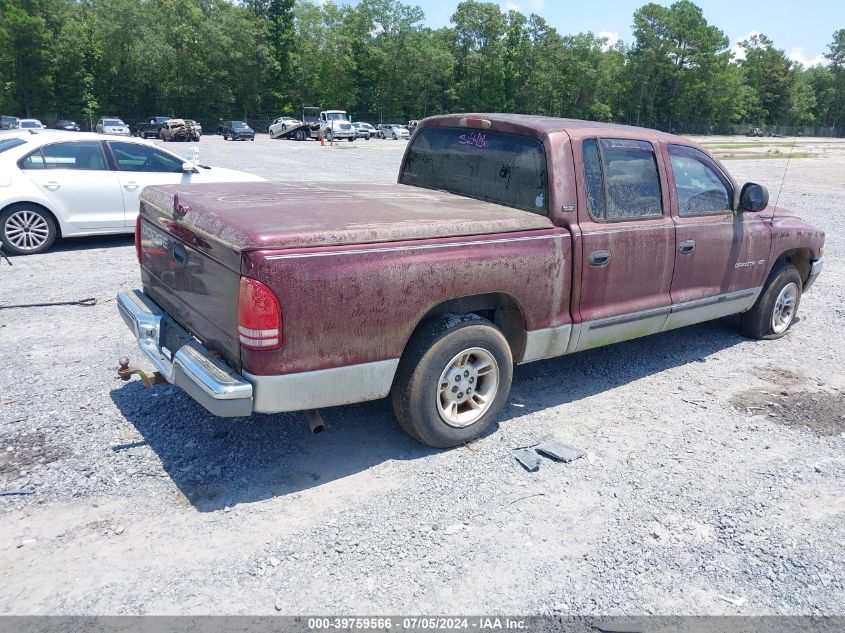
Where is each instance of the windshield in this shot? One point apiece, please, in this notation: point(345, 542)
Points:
point(503, 168)
point(336, 116)
point(239, 124)
point(113, 122)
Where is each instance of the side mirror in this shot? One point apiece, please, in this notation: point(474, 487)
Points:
point(187, 167)
point(753, 197)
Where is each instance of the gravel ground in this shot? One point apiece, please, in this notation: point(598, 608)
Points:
point(714, 465)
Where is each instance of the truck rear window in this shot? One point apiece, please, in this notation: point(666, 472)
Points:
point(496, 167)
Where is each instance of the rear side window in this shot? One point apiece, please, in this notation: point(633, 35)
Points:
point(507, 169)
point(621, 179)
point(78, 155)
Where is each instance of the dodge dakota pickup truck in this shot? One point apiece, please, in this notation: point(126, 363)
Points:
point(507, 239)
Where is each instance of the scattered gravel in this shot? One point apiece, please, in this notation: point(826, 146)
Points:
point(693, 488)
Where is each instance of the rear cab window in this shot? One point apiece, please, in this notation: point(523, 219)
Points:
point(506, 169)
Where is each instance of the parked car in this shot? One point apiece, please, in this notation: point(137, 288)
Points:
point(236, 131)
point(150, 127)
point(113, 126)
point(395, 131)
point(178, 130)
point(196, 127)
point(590, 234)
point(8, 122)
point(30, 124)
point(282, 125)
point(69, 126)
point(362, 130)
point(82, 184)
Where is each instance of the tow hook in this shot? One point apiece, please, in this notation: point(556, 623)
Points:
point(124, 372)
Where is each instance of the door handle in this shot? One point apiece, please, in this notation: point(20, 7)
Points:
point(686, 247)
point(132, 186)
point(52, 185)
point(599, 258)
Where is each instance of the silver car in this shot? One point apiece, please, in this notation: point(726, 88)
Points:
point(113, 126)
point(394, 131)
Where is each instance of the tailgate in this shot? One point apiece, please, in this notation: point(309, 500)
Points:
point(194, 281)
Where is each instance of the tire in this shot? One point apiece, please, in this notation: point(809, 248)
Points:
point(446, 348)
point(225, 136)
point(27, 229)
point(774, 312)
point(395, 138)
point(329, 136)
point(351, 140)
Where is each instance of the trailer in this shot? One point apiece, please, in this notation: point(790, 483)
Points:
point(309, 127)
point(316, 124)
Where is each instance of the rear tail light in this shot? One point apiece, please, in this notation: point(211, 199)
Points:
point(259, 316)
point(138, 237)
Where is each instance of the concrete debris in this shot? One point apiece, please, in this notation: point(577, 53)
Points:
point(740, 602)
point(559, 451)
point(528, 458)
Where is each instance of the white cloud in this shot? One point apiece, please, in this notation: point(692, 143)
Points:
point(797, 55)
point(611, 36)
point(529, 7)
point(737, 50)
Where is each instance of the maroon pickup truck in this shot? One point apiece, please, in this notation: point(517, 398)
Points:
point(507, 239)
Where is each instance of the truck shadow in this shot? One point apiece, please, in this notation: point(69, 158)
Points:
point(220, 462)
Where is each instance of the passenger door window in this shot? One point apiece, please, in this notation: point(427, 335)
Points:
point(87, 155)
point(137, 157)
point(622, 181)
point(701, 188)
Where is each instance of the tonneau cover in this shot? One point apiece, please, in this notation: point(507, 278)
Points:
point(268, 215)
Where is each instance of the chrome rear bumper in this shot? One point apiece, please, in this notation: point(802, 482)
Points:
point(207, 380)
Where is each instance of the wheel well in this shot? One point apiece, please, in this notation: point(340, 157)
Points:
point(40, 206)
point(800, 258)
point(499, 308)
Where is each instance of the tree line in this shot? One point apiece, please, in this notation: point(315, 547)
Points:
point(257, 59)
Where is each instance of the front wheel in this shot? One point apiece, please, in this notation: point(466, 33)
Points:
point(776, 307)
point(453, 380)
point(329, 136)
point(26, 229)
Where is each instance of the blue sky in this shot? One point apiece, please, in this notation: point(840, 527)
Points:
point(802, 29)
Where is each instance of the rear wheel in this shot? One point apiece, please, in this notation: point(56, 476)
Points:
point(453, 380)
point(27, 229)
point(776, 307)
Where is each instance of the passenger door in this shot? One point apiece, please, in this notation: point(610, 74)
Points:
point(721, 255)
point(76, 178)
point(139, 165)
point(628, 242)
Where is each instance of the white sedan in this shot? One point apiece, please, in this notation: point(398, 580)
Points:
point(55, 184)
point(282, 125)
